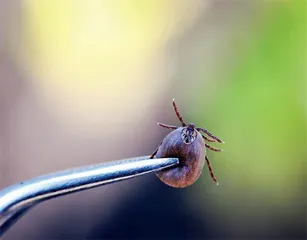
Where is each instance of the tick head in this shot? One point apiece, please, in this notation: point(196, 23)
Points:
point(191, 127)
point(189, 134)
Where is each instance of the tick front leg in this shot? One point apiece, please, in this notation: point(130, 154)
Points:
point(209, 134)
point(167, 126)
point(178, 114)
point(211, 172)
point(213, 148)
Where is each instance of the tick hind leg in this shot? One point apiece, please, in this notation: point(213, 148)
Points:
point(211, 172)
point(155, 152)
point(167, 126)
point(178, 114)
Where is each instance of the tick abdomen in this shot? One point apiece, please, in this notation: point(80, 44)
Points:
point(191, 159)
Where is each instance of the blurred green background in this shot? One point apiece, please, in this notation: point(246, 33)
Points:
point(86, 81)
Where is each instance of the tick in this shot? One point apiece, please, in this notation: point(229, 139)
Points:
point(188, 145)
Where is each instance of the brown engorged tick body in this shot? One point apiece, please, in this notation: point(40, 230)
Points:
point(187, 144)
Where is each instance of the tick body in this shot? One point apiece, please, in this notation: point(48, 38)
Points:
point(188, 145)
point(191, 158)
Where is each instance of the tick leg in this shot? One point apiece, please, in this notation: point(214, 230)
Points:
point(178, 114)
point(213, 148)
point(155, 152)
point(208, 139)
point(209, 134)
point(210, 170)
point(167, 126)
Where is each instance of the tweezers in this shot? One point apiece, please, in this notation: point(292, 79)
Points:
point(17, 199)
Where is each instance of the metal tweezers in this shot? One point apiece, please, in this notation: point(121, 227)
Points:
point(17, 199)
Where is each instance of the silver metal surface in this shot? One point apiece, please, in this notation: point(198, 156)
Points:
point(19, 198)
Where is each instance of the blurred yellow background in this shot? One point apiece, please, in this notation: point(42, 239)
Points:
point(86, 81)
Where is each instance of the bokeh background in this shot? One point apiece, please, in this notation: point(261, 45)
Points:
point(83, 82)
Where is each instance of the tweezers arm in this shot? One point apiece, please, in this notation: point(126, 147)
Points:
point(17, 199)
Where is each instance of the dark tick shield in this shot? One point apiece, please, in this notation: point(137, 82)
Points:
point(188, 136)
